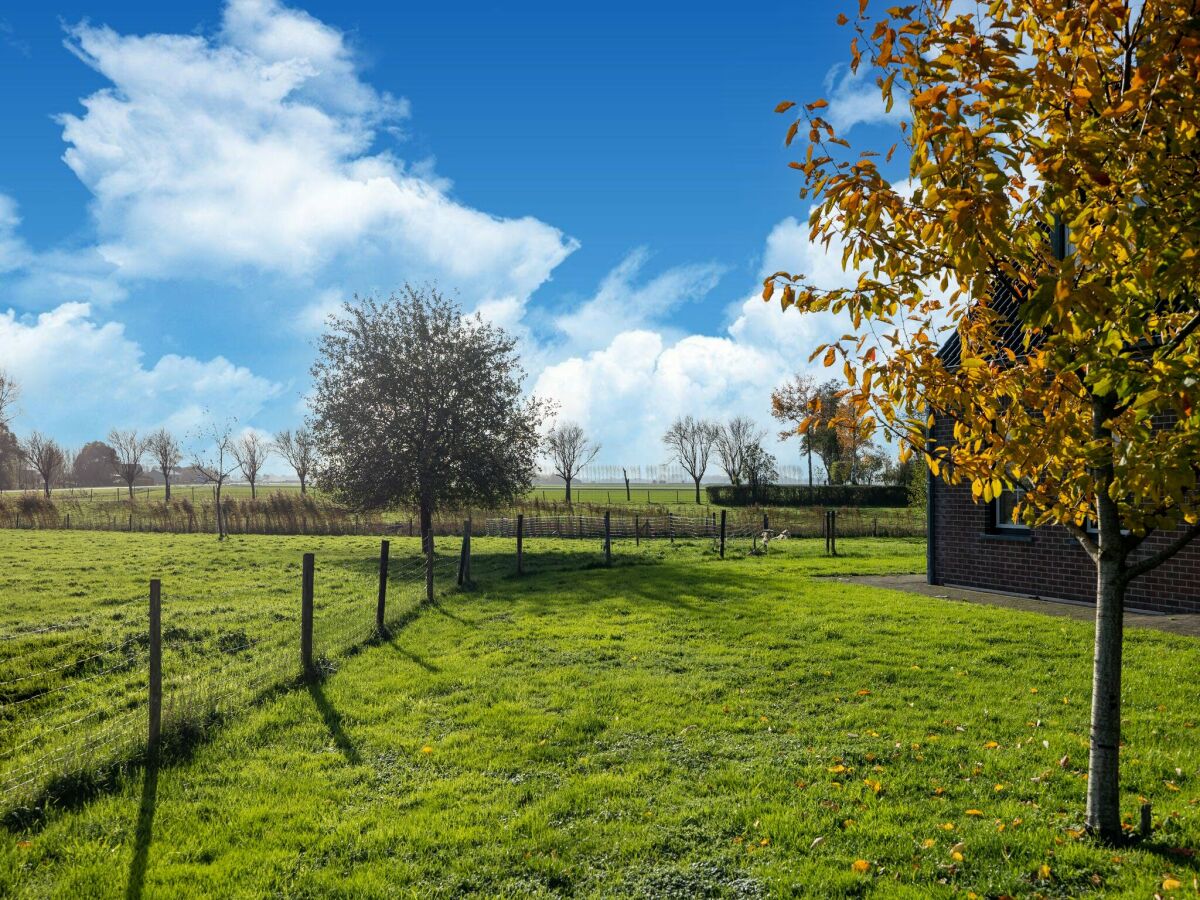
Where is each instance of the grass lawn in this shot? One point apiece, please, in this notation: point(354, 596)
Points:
point(676, 726)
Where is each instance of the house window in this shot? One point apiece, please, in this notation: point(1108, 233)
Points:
point(1003, 507)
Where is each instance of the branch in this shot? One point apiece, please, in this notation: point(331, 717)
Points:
point(1157, 559)
point(1085, 540)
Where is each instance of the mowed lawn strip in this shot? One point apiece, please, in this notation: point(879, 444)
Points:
point(680, 728)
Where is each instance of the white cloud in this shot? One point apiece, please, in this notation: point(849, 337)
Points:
point(252, 150)
point(13, 252)
point(77, 373)
point(854, 99)
point(627, 391)
point(620, 304)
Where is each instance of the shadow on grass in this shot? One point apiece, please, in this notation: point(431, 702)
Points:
point(333, 721)
point(145, 831)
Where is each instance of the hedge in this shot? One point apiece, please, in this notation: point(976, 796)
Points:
point(803, 495)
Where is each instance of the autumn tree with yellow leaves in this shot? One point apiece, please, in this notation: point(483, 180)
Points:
point(1053, 161)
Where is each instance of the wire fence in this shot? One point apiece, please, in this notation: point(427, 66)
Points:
point(670, 526)
point(78, 703)
point(82, 700)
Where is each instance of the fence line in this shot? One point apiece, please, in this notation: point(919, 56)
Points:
point(85, 714)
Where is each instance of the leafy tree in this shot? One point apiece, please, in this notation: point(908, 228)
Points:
point(1074, 371)
point(690, 441)
point(10, 459)
point(129, 449)
point(792, 403)
point(94, 465)
point(415, 403)
point(299, 450)
point(569, 449)
point(165, 451)
point(758, 469)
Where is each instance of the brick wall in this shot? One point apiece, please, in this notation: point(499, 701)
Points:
point(1044, 562)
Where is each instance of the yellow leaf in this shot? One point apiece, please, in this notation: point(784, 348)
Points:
point(928, 842)
point(861, 866)
point(991, 745)
point(1171, 884)
point(974, 812)
point(791, 133)
point(817, 104)
point(931, 96)
point(426, 749)
point(784, 106)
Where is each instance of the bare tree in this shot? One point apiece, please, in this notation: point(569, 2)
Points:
point(251, 452)
point(215, 462)
point(46, 457)
point(299, 450)
point(164, 449)
point(128, 450)
point(569, 450)
point(691, 442)
point(733, 441)
point(9, 391)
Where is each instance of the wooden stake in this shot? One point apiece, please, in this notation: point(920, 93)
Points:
point(722, 534)
point(306, 615)
point(607, 540)
point(520, 540)
point(381, 604)
point(155, 700)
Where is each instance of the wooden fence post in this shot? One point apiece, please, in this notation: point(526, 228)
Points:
point(520, 540)
point(766, 523)
point(671, 526)
point(427, 541)
point(607, 540)
point(306, 615)
point(637, 530)
point(155, 704)
point(464, 557)
point(722, 534)
point(381, 605)
point(833, 532)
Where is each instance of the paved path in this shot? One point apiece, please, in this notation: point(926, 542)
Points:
point(1186, 624)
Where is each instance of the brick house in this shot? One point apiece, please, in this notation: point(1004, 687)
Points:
point(977, 545)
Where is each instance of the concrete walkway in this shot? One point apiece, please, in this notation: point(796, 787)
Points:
point(1185, 624)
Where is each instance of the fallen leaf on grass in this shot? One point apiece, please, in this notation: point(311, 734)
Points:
point(861, 866)
point(1171, 884)
point(817, 841)
point(974, 812)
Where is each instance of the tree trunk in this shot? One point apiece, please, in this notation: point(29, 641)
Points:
point(1104, 782)
point(220, 514)
point(697, 490)
point(426, 513)
point(303, 486)
point(810, 484)
point(568, 480)
point(46, 487)
point(253, 495)
point(167, 483)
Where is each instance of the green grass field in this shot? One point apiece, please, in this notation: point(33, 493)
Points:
point(676, 726)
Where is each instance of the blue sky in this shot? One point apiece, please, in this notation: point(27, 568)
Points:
point(188, 188)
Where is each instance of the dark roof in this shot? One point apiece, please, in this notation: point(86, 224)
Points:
point(1005, 303)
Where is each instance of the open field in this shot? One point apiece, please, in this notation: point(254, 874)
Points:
point(675, 726)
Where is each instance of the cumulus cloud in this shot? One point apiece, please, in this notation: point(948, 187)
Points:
point(627, 390)
point(76, 372)
point(252, 150)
